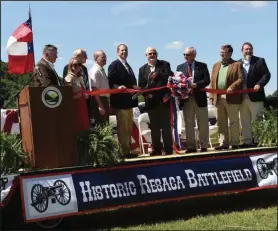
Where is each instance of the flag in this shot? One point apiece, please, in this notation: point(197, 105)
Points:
point(20, 49)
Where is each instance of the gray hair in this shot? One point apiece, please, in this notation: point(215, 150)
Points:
point(49, 48)
point(78, 52)
point(150, 48)
point(192, 49)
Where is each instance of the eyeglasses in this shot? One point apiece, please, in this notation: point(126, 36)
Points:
point(154, 53)
point(76, 65)
point(186, 54)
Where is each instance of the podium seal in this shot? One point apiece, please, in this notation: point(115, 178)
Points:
point(51, 97)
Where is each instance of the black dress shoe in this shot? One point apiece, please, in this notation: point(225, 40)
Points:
point(221, 147)
point(190, 150)
point(234, 146)
point(244, 145)
point(204, 149)
point(155, 153)
point(131, 155)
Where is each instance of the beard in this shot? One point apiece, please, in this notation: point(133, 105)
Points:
point(247, 57)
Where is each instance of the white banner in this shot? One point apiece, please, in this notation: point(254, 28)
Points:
point(49, 196)
point(265, 167)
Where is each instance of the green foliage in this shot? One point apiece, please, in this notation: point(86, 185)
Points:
point(12, 155)
point(99, 147)
point(11, 84)
point(266, 130)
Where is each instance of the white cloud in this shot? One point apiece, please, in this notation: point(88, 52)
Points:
point(60, 58)
point(127, 7)
point(246, 4)
point(139, 22)
point(174, 45)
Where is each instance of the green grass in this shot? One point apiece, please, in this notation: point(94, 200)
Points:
point(255, 219)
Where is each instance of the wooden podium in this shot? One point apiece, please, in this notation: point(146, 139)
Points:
point(47, 119)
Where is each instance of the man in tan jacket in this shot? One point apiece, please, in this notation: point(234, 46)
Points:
point(228, 75)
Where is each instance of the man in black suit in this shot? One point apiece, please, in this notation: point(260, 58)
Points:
point(196, 103)
point(120, 76)
point(45, 74)
point(257, 76)
point(151, 75)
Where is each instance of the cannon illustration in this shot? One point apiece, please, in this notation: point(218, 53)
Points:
point(265, 168)
point(40, 195)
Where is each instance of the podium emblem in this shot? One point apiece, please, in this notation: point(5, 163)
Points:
point(51, 97)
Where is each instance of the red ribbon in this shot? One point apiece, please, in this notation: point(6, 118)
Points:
point(125, 90)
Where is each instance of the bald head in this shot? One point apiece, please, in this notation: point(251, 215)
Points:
point(151, 55)
point(100, 57)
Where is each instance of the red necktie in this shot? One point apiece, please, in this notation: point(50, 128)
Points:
point(189, 70)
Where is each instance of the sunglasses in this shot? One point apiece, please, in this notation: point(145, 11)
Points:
point(76, 65)
point(186, 54)
point(152, 53)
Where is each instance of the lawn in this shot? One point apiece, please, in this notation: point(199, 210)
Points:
point(255, 219)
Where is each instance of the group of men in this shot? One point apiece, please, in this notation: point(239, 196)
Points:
point(249, 72)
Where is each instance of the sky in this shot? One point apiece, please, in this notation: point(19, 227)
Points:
point(168, 26)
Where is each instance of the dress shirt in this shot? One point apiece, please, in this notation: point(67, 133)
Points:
point(124, 63)
point(98, 78)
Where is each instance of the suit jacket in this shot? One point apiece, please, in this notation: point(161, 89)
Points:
point(163, 71)
point(44, 75)
point(258, 73)
point(234, 80)
point(85, 75)
point(201, 78)
point(118, 75)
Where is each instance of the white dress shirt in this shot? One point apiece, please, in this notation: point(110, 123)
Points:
point(98, 78)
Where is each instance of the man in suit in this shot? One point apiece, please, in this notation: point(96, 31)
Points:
point(155, 74)
point(196, 103)
point(120, 76)
point(45, 74)
point(257, 76)
point(81, 54)
point(228, 75)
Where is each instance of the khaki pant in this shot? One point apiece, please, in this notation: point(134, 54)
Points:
point(124, 128)
point(190, 109)
point(228, 111)
point(249, 112)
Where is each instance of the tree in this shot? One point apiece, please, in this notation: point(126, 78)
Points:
point(10, 85)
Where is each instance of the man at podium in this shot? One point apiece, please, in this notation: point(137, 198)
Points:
point(44, 74)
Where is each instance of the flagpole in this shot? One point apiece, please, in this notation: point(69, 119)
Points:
point(31, 78)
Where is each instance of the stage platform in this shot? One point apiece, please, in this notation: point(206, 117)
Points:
point(56, 193)
point(210, 153)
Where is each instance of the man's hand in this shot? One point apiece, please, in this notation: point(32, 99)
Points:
point(193, 85)
point(136, 87)
point(229, 90)
point(101, 111)
point(121, 87)
point(257, 87)
point(153, 75)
